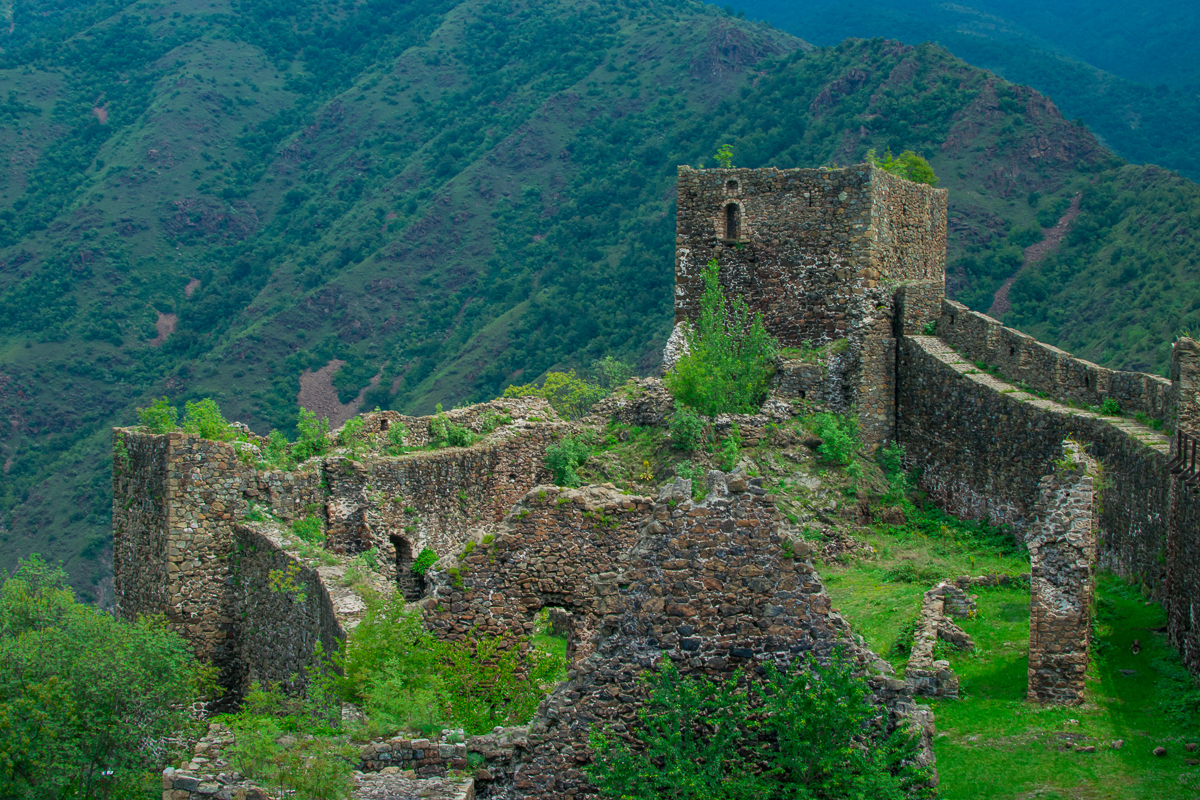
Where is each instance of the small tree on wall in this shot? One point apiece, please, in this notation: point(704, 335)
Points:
point(730, 355)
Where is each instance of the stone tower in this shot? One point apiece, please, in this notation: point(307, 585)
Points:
point(825, 255)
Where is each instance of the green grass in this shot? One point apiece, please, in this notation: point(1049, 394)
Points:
point(995, 744)
point(992, 743)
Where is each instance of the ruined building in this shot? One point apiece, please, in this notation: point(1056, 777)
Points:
point(847, 268)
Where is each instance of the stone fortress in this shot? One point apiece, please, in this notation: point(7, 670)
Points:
point(847, 263)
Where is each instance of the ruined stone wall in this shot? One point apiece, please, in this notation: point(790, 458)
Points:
point(281, 610)
point(711, 587)
point(140, 541)
point(433, 499)
point(822, 255)
point(1046, 369)
point(983, 446)
point(1062, 553)
point(558, 548)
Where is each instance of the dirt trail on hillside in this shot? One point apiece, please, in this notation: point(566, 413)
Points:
point(1033, 254)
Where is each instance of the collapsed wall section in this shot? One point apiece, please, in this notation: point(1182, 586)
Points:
point(1062, 554)
point(712, 587)
point(558, 548)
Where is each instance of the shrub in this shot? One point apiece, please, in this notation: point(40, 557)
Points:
point(424, 560)
point(275, 453)
point(396, 435)
point(1110, 407)
point(308, 530)
point(571, 396)
point(406, 678)
point(730, 356)
point(445, 433)
point(158, 417)
point(908, 165)
point(204, 419)
point(350, 436)
point(314, 436)
point(731, 448)
point(810, 733)
point(689, 471)
point(565, 456)
point(838, 435)
point(611, 372)
point(83, 694)
point(294, 742)
point(687, 428)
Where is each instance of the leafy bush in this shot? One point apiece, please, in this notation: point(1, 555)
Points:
point(294, 742)
point(1110, 407)
point(891, 460)
point(406, 678)
point(838, 435)
point(396, 435)
point(689, 471)
point(351, 437)
point(908, 165)
point(809, 733)
point(571, 396)
point(314, 436)
point(204, 419)
point(730, 357)
point(443, 432)
point(687, 428)
point(159, 417)
point(82, 693)
point(565, 456)
point(275, 453)
point(424, 560)
point(611, 372)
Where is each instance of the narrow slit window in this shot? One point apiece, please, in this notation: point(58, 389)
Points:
point(731, 221)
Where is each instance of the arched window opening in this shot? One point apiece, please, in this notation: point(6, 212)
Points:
point(409, 583)
point(731, 221)
point(383, 425)
point(731, 186)
point(1012, 350)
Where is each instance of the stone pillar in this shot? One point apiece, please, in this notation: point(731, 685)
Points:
point(1185, 377)
point(1176, 597)
point(1062, 549)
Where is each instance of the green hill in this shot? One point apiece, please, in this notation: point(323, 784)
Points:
point(435, 199)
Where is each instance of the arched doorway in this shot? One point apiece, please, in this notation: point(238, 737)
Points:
point(409, 583)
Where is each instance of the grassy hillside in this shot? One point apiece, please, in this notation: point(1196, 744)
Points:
point(213, 198)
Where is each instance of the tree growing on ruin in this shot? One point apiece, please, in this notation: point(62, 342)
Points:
point(730, 356)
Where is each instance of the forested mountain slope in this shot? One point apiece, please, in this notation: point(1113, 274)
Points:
point(432, 200)
point(1130, 71)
